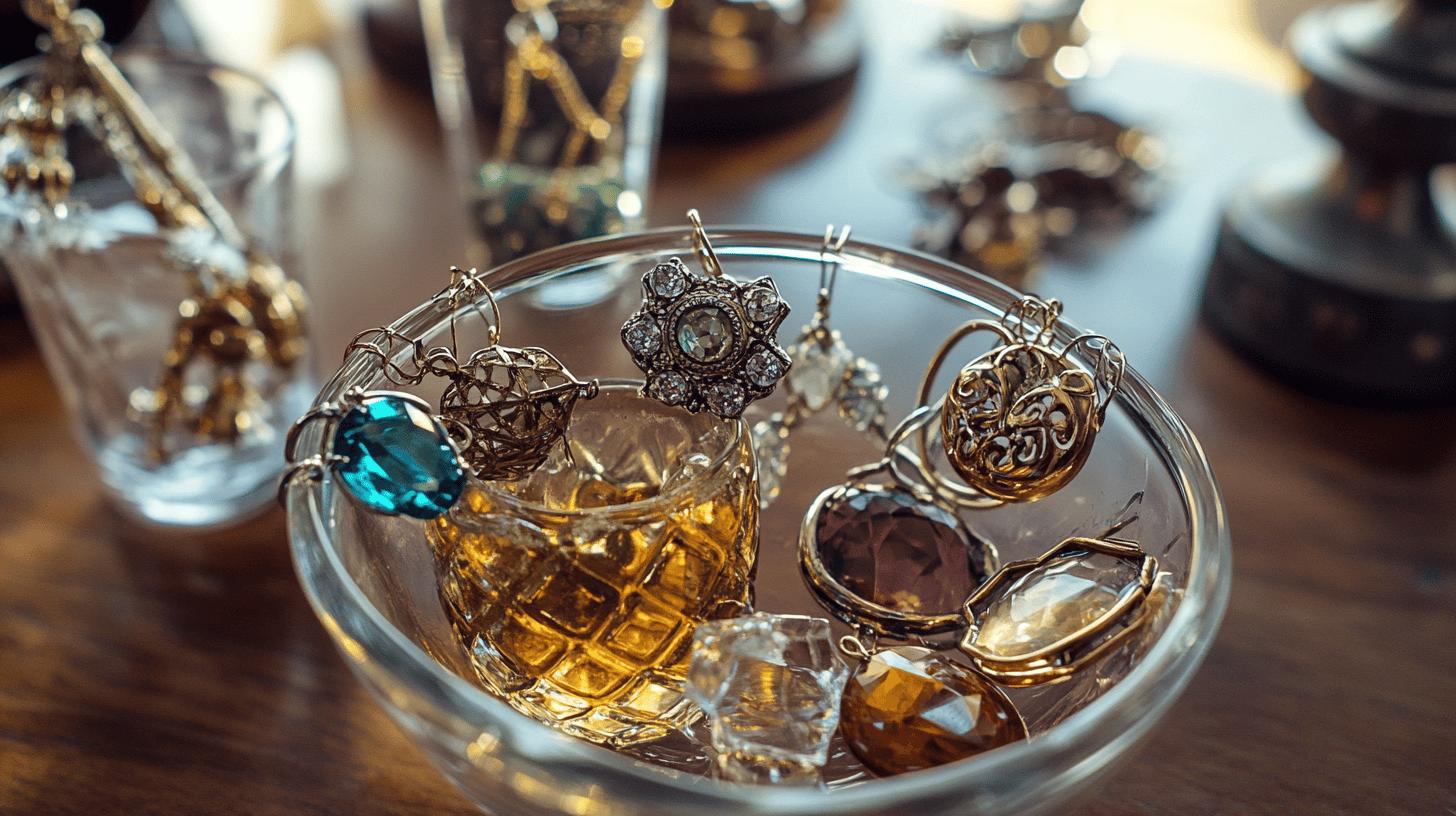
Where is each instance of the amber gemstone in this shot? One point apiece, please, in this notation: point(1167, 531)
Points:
point(909, 709)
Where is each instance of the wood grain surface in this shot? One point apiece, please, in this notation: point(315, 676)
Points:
point(151, 672)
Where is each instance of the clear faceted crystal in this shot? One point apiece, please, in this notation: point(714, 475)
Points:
point(1053, 602)
point(705, 334)
point(643, 337)
point(667, 280)
point(771, 448)
point(764, 368)
point(771, 687)
point(761, 304)
point(726, 399)
point(670, 387)
point(862, 400)
point(1047, 705)
point(816, 372)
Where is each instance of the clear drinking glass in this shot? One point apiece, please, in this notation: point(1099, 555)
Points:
point(576, 590)
point(373, 581)
point(551, 110)
point(103, 292)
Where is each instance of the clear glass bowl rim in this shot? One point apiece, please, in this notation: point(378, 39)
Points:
point(1089, 739)
point(275, 152)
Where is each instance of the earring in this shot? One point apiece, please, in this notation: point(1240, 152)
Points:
point(1019, 421)
point(824, 370)
point(513, 405)
point(1040, 620)
point(707, 342)
point(501, 413)
point(889, 556)
point(892, 559)
point(388, 450)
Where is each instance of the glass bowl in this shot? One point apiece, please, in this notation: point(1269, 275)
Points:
point(371, 578)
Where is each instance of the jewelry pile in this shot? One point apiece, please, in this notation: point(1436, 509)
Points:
point(1007, 195)
point(556, 172)
point(597, 544)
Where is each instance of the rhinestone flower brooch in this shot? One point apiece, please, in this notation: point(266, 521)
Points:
point(707, 342)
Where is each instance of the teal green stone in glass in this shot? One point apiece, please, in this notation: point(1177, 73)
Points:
point(399, 458)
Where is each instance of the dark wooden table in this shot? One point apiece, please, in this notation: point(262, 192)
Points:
point(161, 673)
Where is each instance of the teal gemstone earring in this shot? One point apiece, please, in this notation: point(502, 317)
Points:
point(388, 451)
point(501, 413)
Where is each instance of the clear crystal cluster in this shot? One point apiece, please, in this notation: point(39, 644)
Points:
point(707, 343)
point(824, 372)
point(771, 448)
point(771, 687)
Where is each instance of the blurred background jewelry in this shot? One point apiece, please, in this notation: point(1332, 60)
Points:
point(551, 110)
point(1029, 185)
point(511, 405)
point(824, 370)
point(1001, 195)
point(1019, 421)
point(707, 342)
point(146, 223)
point(243, 311)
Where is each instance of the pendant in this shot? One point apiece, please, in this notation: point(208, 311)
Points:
point(388, 451)
point(908, 709)
point(886, 554)
point(707, 342)
point(1019, 421)
point(1041, 620)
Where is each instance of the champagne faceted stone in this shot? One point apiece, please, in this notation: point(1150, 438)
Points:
point(891, 548)
point(909, 709)
point(705, 334)
point(1053, 602)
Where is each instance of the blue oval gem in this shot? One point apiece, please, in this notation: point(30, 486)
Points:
point(400, 459)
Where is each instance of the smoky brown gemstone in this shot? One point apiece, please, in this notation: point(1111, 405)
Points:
point(889, 547)
point(909, 709)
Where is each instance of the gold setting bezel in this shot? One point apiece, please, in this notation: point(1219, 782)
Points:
point(858, 611)
point(1061, 659)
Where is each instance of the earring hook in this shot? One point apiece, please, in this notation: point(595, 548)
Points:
point(703, 247)
point(471, 284)
point(829, 272)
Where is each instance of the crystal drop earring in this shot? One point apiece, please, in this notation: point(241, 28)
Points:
point(824, 371)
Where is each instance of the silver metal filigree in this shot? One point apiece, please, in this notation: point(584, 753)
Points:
point(707, 342)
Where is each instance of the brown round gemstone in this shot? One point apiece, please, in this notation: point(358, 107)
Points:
point(889, 547)
point(909, 709)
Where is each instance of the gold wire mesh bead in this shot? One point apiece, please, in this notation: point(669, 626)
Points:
point(516, 406)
